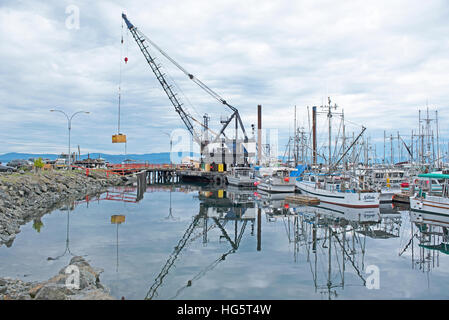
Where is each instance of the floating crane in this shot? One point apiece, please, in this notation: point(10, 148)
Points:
point(144, 42)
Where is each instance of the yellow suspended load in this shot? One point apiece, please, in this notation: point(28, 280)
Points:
point(119, 138)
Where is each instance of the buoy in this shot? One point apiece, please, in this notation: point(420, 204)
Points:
point(126, 59)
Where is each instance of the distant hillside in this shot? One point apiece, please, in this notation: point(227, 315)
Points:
point(163, 157)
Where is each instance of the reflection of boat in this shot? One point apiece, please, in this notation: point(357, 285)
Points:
point(333, 191)
point(276, 179)
point(389, 210)
point(430, 218)
point(442, 247)
point(360, 215)
point(242, 196)
point(263, 195)
point(241, 177)
point(429, 237)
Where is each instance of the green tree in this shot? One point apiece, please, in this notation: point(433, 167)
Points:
point(38, 164)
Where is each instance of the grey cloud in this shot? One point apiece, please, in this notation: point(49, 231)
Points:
point(380, 61)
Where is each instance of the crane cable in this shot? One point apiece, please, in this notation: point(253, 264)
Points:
point(120, 81)
point(191, 76)
point(121, 76)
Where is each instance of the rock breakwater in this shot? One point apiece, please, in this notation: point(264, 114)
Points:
point(63, 286)
point(24, 197)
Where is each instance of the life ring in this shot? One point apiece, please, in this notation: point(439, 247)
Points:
point(218, 181)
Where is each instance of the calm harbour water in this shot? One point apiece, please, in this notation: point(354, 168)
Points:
point(229, 249)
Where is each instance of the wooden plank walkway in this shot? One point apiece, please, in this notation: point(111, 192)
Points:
point(302, 199)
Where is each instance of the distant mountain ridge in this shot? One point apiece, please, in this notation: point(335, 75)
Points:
point(163, 157)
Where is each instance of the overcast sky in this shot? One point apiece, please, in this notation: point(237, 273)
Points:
point(380, 61)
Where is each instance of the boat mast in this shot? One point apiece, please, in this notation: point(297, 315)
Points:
point(438, 140)
point(344, 136)
point(329, 117)
point(294, 142)
point(314, 134)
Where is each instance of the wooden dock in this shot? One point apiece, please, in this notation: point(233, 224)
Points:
point(169, 173)
point(302, 199)
point(401, 197)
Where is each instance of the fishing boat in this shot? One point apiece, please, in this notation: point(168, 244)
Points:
point(336, 190)
point(387, 181)
point(426, 198)
point(275, 179)
point(241, 177)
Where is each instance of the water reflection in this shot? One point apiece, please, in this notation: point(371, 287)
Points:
point(331, 238)
point(429, 237)
point(190, 241)
point(69, 207)
point(224, 210)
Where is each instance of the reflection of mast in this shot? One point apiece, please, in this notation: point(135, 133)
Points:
point(339, 233)
point(259, 230)
point(432, 236)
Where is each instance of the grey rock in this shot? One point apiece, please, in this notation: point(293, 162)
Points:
point(52, 292)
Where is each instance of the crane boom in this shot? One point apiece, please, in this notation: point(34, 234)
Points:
point(140, 39)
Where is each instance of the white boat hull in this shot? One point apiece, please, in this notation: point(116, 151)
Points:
point(386, 195)
point(345, 199)
point(278, 188)
point(431, 204)
point(240, 181)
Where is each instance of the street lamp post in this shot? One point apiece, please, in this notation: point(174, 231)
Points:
point(69, 123)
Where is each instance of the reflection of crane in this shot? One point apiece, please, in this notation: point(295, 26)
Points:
point(204, 272)
point(234, 244)
point(187, 239)
point(144, 42)
point(171, 260)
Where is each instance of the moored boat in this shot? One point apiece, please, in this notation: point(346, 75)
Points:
point(241, 177)
point(428, 199)
point(275, 179)
point(333, 190)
